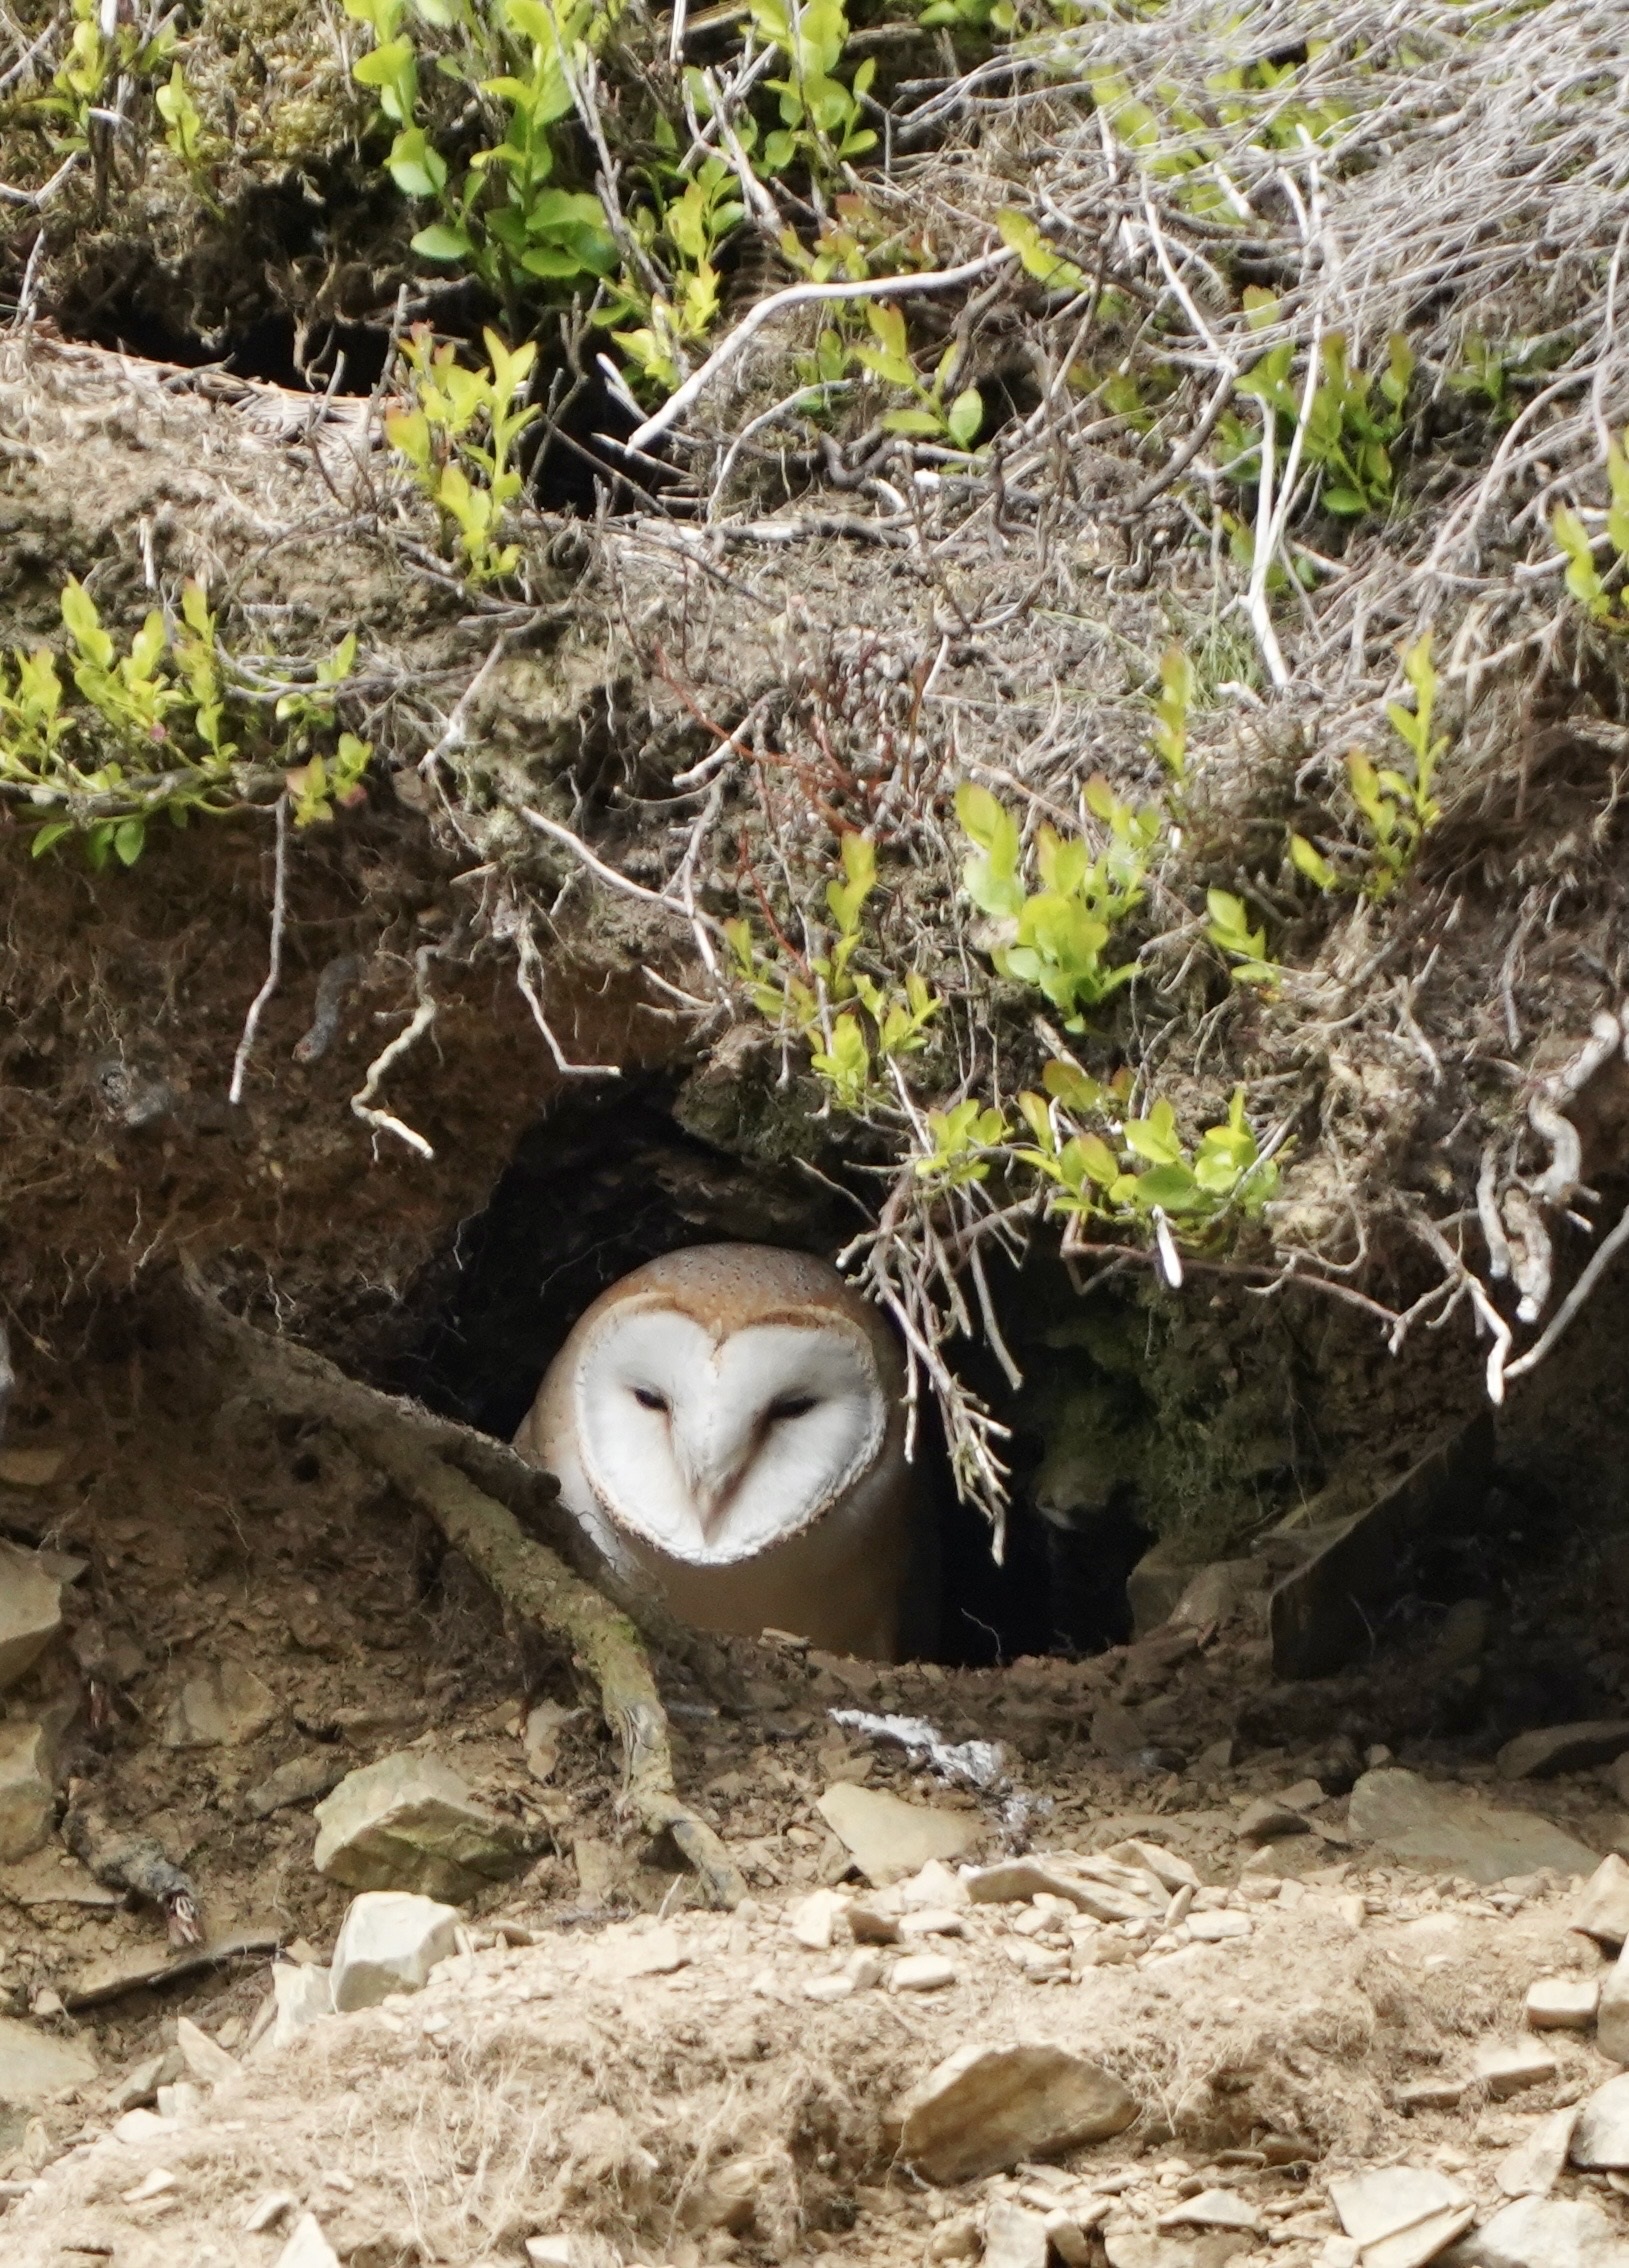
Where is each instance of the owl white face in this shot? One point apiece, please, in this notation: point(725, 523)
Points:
point(714, 1448)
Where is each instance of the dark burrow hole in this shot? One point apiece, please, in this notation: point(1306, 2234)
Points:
point(593, 1193)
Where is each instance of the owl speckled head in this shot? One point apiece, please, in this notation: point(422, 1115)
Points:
point(733, 1412)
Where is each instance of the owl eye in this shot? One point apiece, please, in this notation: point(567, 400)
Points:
point(791, 1406)
point(648, 1398)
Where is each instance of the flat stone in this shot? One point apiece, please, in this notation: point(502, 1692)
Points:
point(1506, 2068)
point(1603, 1909)
point(51, 1878)
point(303, 1993)
point(921, 1972)
point(1562, 2004)
point(31, 1468)
point(27, 1793)
point(30, 1612)
point(932, 1885)
point(550, 2252)
point(829, 1989)
point(1412, 2248)
point(1213, 2209)
point(1600, 2139)
point(308, 2247)
point(1209, 1597)
point(140, 2126)
point(389, 1942)
point(1533, 2166)
point(35, 2064)
point(984, 2108)
point(1323, 1614)
point(205, 2058)
point(1013, 2236)
point(303, 1779)
point(1265, 1820)
point(888, 1838)
point(1612, 2012)
point(1563, 1748)
point(1431, 2094)
point(655, 1953)
point(410, 1823)
point(1542, 2232)
point(1015, 1881)
point(1212, 1929)
point(1445, 1829)
point(1384, 2200)
point(1169, 1871)
point(1142, 2247)
point(223, 1706)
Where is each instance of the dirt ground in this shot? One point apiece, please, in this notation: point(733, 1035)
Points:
point(542, 2083)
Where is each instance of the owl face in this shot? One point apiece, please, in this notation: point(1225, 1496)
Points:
point(712, 1443)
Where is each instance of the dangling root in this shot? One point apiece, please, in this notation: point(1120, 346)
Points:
point(422, 1457)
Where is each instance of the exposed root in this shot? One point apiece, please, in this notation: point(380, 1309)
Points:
point(423, 1457)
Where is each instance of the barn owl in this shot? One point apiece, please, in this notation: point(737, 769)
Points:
point(728, 1420)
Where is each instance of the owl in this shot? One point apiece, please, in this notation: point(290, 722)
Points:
point(728, 1420)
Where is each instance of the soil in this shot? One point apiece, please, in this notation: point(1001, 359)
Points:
point(533, 2088)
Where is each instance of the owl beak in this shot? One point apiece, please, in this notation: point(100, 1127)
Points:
point(713, 1470)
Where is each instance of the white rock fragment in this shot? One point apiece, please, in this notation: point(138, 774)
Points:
point(153, 2184)
point(934, 1886)
point(1612, 2011)
point(828, 1989)
point(1213, 2209)
point(1544, 2232)
point(408, 1822)
point(1412, 2248)
point(1169, 1871)
point(933, 1921)
point(308, 2247)
point(1212, 1928)
point(864, 1969)
point(813, 1920)
point(303, 1994)
point(389, 1942)
point(984, 2108)
point(921, 1972)
point(657, 1953)
point(1603, 1909)
point(268, 2212)
point(1013, 2236)
point(1600, 2140)
point(208, 2062)
point(1533, 2166)
point(549, 2251)
point(223, 1706)
point(1506, 2069)
point(1384, 2200)
point(139, 2126)
point(1562, 2004)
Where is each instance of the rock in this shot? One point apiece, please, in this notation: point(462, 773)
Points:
point(933, 1885)
point(302, 1994)
point(1600, 2140)
point(985, 2108)
point(813, 1920)
point(1014, 2237)
point(1445, 1829)
point(1012, 1881)
point(138, 2087)
point(1213, 2209)
point(139, 2126)
point(208, 2062)
point(1431, 2094)
point(180, 2102)
point(30, 1612)
point(31, 1468)
point(1536, 2163)
point(1211, 1929)
point(410, 1823)
point(1542, 2232)
point(1562, 2004)
point(867, 1926)
point(549, 2251)
point(1169, 1871)
point(656, 1953)
point(1505, 2069)
point(389, 1942)
point(921, 1972)
point(268, 2211)
point(945, 1923)
point(303, 1779)
point(1322, 1615)
point(35, 2064)
point(1268, 1818)
point(1385, 2200)
point(828, 1989)
point(1603, 1910)
point(1412, 2248)
point(888, 1838)
point(27, 1792)
point(1217, 1591)
point(308, 2247)
point(1612, 2012)
point(1563, 1748)
point(1134, 2246)
point(222, 1707)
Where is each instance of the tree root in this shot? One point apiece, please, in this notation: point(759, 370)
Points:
point(456, 1476)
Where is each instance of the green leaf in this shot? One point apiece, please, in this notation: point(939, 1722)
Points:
point(440, 241)
point(1071, 1086)
point(52, 832)
point(128, 838)
point(1171, 1187)
point(417, 169)
point(966, 417)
